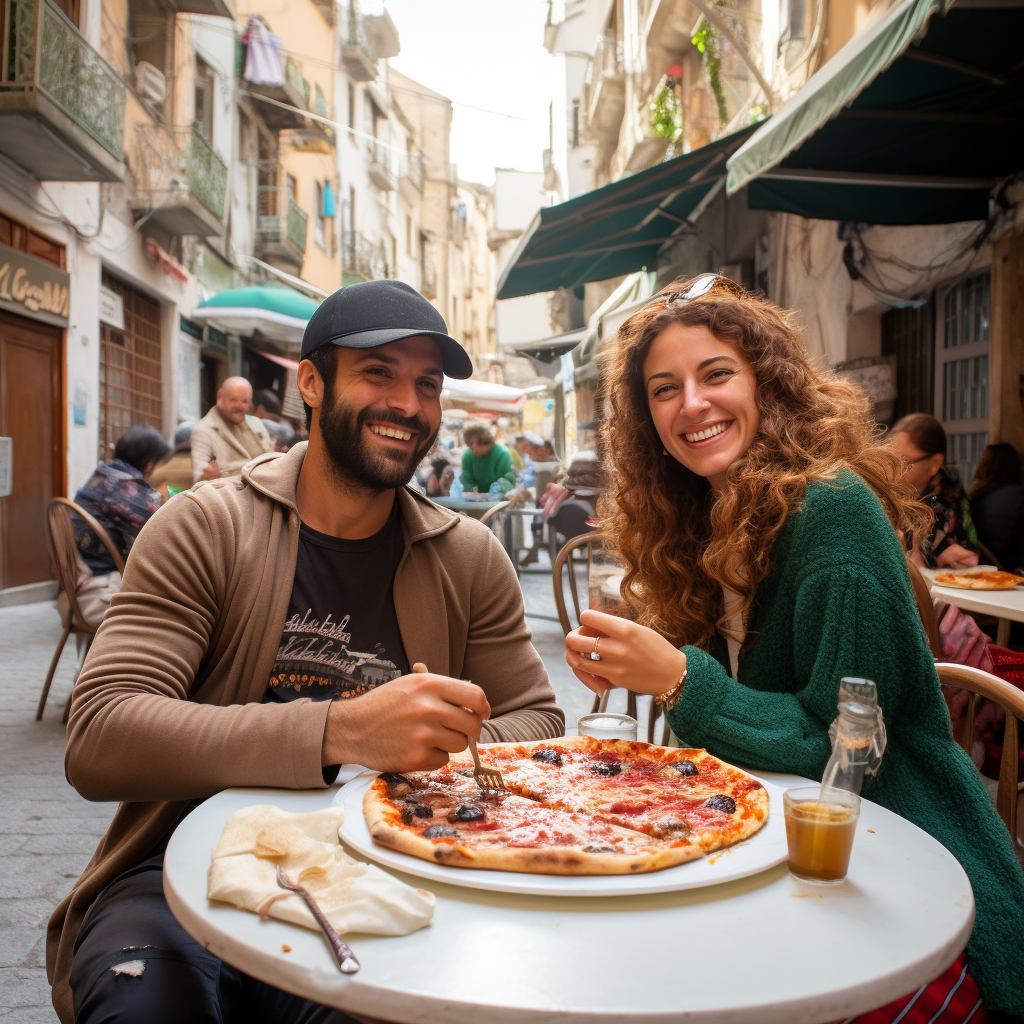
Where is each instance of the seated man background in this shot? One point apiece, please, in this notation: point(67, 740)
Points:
point(263, 636)
point(226, 438)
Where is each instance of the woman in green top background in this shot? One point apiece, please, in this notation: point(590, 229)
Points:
point(485, 461)
point(758, 512)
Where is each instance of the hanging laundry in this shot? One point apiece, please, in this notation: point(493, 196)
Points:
point(263, 61)
point(328, 200)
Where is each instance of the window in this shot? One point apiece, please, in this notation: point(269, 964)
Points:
point(351, 106)
point(203, 116)
point(408, 236)
point(130, 368)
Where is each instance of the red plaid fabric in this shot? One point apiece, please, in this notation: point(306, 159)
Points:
point(952, 998)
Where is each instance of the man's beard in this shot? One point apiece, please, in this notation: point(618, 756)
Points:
point(350, 452)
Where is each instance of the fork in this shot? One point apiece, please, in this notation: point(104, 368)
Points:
point(347, 962)
point(488, 779)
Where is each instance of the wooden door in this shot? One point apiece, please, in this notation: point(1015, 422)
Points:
point(31, 402)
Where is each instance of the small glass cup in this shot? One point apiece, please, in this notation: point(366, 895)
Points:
point(820, 835)
point(607, 726)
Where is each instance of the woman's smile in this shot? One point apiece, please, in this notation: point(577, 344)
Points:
point(705, 436)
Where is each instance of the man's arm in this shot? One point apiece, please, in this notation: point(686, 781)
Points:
point(500, 656)
point(133, 735)
point(202, 450)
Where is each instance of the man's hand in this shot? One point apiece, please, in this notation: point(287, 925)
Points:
point(955, 556)
point(410, 724)
point(211, 471)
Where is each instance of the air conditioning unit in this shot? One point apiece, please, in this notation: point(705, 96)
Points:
point(150, 83)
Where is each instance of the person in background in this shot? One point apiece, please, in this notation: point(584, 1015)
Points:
point(226, 438)
point(118, 497)
point(439, 482)
point(532, 446)
point(484, 461)
point(174, 475)
point(759, 515)
point(266, 405)
point(952, 542)
point(281, 433)
point(997, 504)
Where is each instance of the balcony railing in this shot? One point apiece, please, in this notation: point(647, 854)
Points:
point(363, 258)
point(356, 52)
point(381, 167)
point(297, 80)
point(51, 73)
point(428, 279)
point(281, 225)
point(413, 168)
point(604, 87)
point(180, 180)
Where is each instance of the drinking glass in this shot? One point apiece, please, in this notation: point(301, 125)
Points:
point(606, 726)
point(820, 835)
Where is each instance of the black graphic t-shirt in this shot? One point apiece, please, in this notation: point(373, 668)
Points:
point(341, 636)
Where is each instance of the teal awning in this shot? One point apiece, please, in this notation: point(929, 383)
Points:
point(616, 229)
point(914, 121)
point(270, 310)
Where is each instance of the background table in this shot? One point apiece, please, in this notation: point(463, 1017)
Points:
point(1004, 605)
point(766, 949)
point(476, 509)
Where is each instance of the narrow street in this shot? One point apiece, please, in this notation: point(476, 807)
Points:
point(48, 832)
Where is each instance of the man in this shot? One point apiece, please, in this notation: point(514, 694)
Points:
point(484, 461)
point(256, 624)
point(266, 405)
point(225, 439)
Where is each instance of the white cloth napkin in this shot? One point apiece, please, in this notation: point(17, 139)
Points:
point(355, 897)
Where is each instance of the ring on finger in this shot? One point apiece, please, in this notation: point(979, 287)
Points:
point(595, 655)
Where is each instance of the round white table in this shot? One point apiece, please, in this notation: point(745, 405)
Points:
point(767, 949)
point(1004, 605)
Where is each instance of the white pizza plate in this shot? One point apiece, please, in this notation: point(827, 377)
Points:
point(761, 851)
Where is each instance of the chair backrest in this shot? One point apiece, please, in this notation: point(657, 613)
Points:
point(1011, 700)
point(925, 608)
point(494, 511)
point(64, 551)
point(563, 558)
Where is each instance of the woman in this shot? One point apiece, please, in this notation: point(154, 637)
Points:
point(119, 498)
point(997, 504)
point(951, 541)
point(758, 515)
point(485, 462)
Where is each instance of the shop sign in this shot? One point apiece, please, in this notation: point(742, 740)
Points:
point(33, 288)
point(111, 308)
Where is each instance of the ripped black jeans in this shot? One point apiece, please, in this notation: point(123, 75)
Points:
point(134, 963)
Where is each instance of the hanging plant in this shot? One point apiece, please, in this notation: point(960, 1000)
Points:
point(667, 113)
point(706, 41)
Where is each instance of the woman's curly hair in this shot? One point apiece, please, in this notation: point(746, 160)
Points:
point(681, 542)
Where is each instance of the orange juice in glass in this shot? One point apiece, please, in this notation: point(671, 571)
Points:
point(820, 832)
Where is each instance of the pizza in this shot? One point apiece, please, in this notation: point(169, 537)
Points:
point(574, 806)
point(993, 580)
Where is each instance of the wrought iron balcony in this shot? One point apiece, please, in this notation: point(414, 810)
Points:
point(362, 258)
point(281, 226)
point(604, 90)
point(356, 53)
point(381, 167)
point(410, 177)
point(293, 93)
point(180, 182)
point(61, 103)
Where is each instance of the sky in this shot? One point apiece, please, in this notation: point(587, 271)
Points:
point(488, 55)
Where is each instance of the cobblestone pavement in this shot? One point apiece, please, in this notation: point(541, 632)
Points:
point(48, 832)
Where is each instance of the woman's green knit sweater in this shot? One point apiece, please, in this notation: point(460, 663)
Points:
point(838, 602)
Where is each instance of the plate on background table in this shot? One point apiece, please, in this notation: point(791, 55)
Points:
point(764, 850)
point(992, 580)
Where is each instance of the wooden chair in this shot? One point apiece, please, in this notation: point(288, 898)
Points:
point(1010, 794)
point(925, 608)
point(64, 556)
point(588, 542)
point(493, 512)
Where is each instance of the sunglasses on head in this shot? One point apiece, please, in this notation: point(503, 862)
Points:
point(701, 286)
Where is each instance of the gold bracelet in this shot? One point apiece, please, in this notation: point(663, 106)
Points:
point(670, 698)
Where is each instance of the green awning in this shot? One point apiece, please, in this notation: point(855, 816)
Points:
point(269, 310)
point(914, 121)
point(616, 229)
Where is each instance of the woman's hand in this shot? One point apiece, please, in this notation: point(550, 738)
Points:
point(955, 556)
point(633, 657)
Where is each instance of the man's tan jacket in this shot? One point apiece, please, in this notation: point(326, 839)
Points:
point(168, 707)
point(230, 444)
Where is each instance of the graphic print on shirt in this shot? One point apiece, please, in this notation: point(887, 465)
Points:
point(316, 659)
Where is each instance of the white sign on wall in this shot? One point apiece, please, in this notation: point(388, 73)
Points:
point(189, 356)
point(6, 466)
point(111, 308)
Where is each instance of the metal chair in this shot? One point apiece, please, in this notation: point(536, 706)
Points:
point(64, 556)
point(1010, 794)
point(568, 522)
point(564, 559)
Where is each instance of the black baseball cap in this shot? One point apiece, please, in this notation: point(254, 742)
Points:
point(374, 313)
